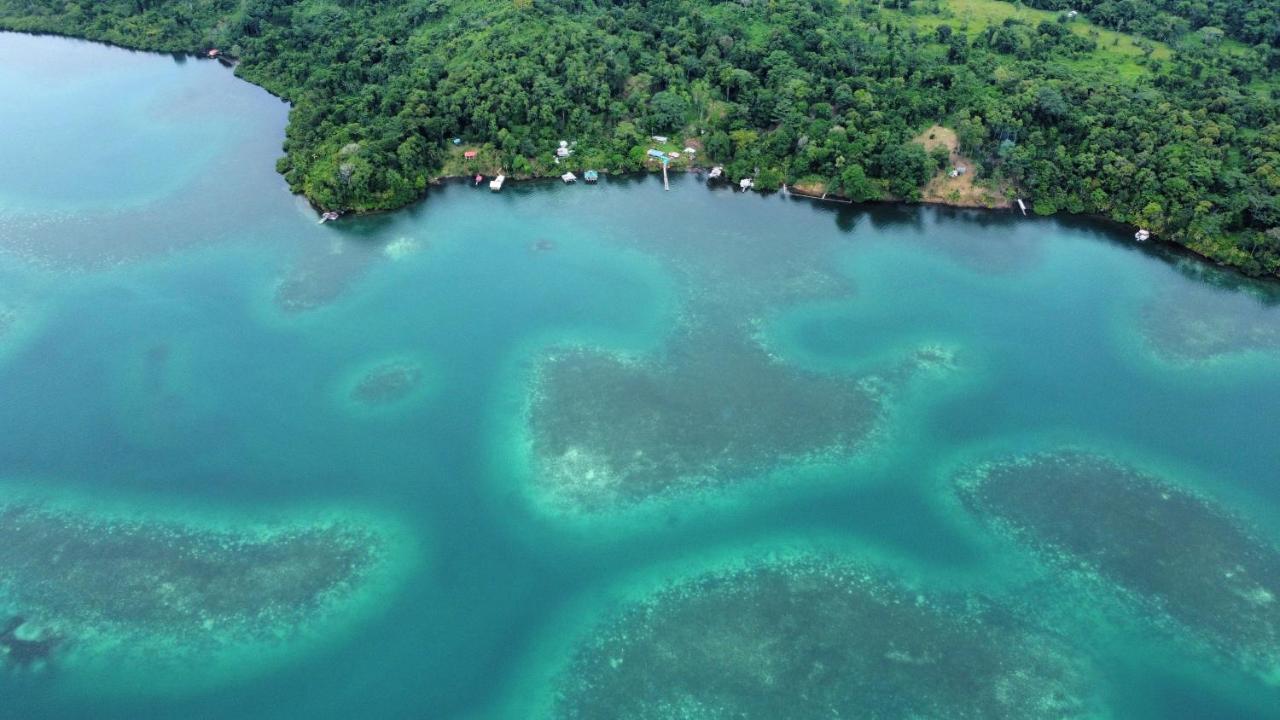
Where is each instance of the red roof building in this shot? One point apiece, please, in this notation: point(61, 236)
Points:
point(469, 154)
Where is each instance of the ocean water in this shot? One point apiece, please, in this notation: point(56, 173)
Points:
point(177, 332)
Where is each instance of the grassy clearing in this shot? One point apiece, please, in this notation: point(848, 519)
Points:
point(1118, 54)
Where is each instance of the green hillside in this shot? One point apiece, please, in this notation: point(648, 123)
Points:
point(1176, 129)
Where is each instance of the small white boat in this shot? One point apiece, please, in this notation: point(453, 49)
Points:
point(1142, 235)
point(496, 183)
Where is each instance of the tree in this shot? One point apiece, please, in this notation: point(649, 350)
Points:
point(855, 185)
point(667, 111)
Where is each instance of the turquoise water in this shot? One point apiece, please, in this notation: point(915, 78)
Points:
point(176, 330)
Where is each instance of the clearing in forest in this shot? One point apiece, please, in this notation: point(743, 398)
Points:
point(961, 188)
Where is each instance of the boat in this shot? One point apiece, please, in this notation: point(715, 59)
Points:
point(330, 215)
point(1142, 235)
point(715, 173)
point(496, 183)
point(479, 179)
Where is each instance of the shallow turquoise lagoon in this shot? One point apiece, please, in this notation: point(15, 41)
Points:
point(178, 334)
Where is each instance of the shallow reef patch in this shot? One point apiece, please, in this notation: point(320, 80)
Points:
point(816, 638)
point(382, 385)
point(86, 587)
point(25, 646)
point(1179, 555)
point(1206, 324)
point(714, 409)
point(387, 383)
point(321, 276)
point(401, 248)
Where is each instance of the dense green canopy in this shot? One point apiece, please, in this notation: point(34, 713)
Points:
point(1182, 138)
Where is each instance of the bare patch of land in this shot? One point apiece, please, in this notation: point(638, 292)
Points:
point(953, 186)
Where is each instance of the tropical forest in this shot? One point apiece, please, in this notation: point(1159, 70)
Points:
point(1160, 114)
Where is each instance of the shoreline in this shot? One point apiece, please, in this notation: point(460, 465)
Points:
point(232, 65)
point(1155, 243)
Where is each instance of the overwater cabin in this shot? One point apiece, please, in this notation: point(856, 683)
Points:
point(591, 176)
point(496, 183)
point(569, 178)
